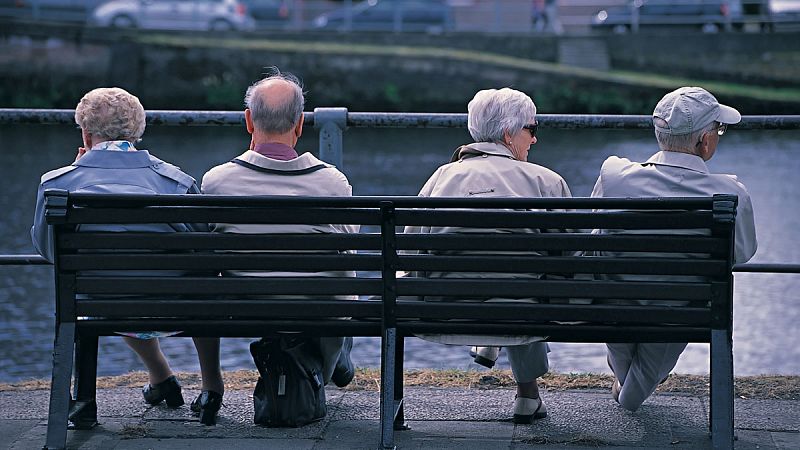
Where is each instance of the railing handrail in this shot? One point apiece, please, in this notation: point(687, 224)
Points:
point(36, 260)
point(333, 121)
point(387, 119)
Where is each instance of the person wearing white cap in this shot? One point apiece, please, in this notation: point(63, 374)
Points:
point(688, 125)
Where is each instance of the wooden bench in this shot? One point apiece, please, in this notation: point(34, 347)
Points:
point(90, 303)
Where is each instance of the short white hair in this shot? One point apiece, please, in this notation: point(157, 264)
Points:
point(111, 113)
point(494, 112)
point(685, 143)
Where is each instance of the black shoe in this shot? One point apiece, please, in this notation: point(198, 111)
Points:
point(344, 371)
point(169, 390)
point(83, 414)
point(206, 406)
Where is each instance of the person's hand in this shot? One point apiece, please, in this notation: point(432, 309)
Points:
point(81, 152)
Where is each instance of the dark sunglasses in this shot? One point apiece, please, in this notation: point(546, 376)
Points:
point(531, 127)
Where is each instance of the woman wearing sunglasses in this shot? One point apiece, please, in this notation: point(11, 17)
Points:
point(503, 124)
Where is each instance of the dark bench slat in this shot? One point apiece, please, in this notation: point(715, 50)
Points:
point(237, 328)
point(141, 200)
point(562, 333)
point(372, 262)
point(110, 285)
point(476, 241)
point(223, 215)
point(563, 241)
point(539, 313)
point(519, 288)
point(563, 265)
point(220, 307)
point(555, 220)
point(499, 219)
point(216, 262)
point(219, 241)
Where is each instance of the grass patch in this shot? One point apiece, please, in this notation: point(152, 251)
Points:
point(764, 387)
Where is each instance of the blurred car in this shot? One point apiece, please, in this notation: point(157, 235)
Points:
point(388, 15)
point(784, 15)
point(75, 11)
point(705, 15)
point(269, 13)
point(217, 15)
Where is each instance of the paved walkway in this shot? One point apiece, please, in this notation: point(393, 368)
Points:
point(439, 418)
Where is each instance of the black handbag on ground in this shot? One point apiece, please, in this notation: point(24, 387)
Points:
point(290, 391)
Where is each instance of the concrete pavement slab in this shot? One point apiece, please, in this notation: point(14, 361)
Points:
point(12, 430)
point(201, 444)
point(781, 415)
point(785, 440)
point(439, 418)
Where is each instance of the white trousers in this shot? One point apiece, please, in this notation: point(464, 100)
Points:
point(640, 368)
point(528, 361)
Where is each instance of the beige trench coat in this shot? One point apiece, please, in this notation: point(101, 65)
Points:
point(489, 170)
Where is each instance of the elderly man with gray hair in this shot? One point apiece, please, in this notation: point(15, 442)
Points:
point(503, 124)
point(688, 125)
point(272, 166)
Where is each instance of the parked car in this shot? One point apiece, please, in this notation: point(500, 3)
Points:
point(269, 13)
point(218, 15)
point(74, 11)
point(705, 15)
point(388, 15)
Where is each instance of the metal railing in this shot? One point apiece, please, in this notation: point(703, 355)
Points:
point(332, 122)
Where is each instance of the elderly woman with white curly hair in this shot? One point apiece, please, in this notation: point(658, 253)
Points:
point(503, 124)
point(111, 122)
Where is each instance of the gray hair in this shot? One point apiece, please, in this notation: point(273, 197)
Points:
point(684, 143)
point(111, 113)
point(270, 117)
point(493, 112)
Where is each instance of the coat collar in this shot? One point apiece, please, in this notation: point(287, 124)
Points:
point(304, 161)
point(681, 160)
point(111, 159)
point(481, 148)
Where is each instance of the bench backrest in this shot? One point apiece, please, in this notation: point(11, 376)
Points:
point(460, 255)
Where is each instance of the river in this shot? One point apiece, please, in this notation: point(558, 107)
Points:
point(397, 162)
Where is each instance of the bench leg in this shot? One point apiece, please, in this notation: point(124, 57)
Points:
point(83, 412)
point(721, 415)
point(59, 386)
point(399, 417)
point(389, 346)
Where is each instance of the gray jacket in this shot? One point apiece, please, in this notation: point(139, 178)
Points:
point(108, 171)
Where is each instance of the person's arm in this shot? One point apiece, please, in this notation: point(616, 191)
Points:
point(746, 243)
point(41, 232)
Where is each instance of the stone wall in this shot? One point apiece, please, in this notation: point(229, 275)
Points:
point(187, 73)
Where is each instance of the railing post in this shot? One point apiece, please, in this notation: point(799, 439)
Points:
point(330, 122)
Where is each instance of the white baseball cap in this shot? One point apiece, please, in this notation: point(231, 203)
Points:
point(690, 109)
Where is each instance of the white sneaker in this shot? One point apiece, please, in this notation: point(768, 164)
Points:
point(526, 410)
point(485, 356)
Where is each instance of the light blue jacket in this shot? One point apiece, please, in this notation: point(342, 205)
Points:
point(118, 172)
